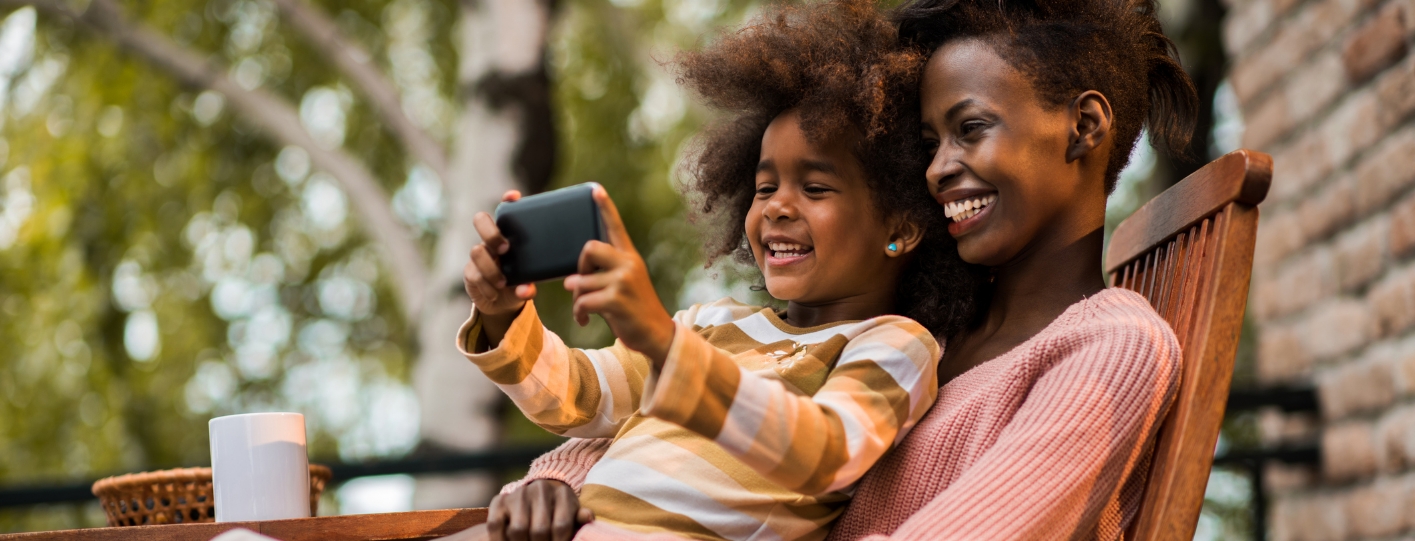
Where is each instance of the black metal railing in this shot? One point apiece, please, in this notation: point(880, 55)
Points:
point(1289, 400)
point(493, 460)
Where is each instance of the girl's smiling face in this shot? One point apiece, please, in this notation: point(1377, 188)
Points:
point(812, 226)
point(1006, 166)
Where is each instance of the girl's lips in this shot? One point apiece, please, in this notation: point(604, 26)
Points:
point(962, 227)
point(773, 260)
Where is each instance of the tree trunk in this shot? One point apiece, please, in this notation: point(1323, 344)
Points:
point(504, 140)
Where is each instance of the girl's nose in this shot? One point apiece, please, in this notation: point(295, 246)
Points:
point(779, 208)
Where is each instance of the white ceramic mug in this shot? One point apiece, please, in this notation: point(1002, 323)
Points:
point(259, 468)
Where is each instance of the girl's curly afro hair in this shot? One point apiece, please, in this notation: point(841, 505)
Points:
point(840, 64)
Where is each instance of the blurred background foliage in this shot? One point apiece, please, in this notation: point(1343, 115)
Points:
point(162, 262)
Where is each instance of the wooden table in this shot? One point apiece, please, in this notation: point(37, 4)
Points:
point(410, 526)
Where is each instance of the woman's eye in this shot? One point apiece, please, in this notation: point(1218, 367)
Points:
point(968, 127)
point(930, 147)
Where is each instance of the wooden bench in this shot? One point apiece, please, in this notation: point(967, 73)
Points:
point(410, 526)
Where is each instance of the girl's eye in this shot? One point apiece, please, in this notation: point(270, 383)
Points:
point(766, 189)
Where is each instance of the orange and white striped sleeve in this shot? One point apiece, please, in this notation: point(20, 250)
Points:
point(884, 381)
point(581, 393)
point(572, 392)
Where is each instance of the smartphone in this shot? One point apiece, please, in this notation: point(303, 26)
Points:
point(547, 232)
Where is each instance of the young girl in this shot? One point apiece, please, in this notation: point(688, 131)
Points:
point(732, 421)
point(1051, 400)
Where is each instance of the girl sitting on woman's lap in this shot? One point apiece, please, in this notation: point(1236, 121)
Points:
point(1051, 399)
point(732, 421)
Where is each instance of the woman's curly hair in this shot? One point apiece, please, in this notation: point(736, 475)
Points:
point(1066, 47)
point(840, 64)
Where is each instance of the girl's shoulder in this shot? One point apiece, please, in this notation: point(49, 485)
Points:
point(718, 312)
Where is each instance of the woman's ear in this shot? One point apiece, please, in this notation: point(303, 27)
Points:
point(907, 236)
point(1091, 121)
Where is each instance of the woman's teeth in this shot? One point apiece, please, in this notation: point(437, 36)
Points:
point(963, 209)
point(786, 249)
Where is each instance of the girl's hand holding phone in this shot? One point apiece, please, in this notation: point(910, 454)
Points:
point(497, 302)
point(614, 283)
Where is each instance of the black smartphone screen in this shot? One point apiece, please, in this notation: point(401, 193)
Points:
point(547, 232)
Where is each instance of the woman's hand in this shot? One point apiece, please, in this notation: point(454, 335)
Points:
point(614, 283)
point(497, 302)
point(542, 510)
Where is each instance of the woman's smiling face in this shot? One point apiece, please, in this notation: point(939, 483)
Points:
point(813, 227)
point(999, 162)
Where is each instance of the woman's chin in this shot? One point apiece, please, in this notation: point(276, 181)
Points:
point(976, 250)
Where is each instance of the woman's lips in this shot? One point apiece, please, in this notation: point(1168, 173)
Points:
point(960, 226)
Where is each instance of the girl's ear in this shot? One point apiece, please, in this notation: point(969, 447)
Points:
point(907, 236)
point(1092, 118)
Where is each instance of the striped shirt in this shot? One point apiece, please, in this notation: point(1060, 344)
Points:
point(754, 429)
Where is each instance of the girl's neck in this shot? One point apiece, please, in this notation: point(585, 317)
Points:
point(854, 307)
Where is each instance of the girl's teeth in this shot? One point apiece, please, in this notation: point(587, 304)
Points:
point(787, 250)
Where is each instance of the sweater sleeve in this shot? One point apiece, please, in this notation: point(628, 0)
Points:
point(1080, 431)
point(568, 463)
point(884, 381)
point(572, 392)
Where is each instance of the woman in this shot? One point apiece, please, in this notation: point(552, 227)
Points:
point(1050, 402)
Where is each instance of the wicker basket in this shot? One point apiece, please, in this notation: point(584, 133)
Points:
point(174, 496)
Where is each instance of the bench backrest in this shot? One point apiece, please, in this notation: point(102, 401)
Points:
point(1190, 252)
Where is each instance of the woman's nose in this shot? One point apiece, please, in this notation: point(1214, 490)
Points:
point(944, 166)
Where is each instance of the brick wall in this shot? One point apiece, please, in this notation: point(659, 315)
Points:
point(1328, 88)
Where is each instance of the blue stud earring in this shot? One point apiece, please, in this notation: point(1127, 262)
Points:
point(893, 247)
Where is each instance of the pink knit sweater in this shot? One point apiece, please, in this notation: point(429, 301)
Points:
point(1048, 441)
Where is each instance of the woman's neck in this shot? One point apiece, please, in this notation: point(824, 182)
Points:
point(1028, 294)
point(1038, 287)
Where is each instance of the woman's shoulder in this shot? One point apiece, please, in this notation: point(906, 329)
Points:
point(1117, 312)
point(1118, 327)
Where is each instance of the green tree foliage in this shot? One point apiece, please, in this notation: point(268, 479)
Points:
point(162, 262)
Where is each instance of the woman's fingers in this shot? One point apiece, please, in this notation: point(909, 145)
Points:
point(584, 516)
point(562, 523)
point(496, 519)
point(542, 510)
point(511, 195)
point(613, 224)
point(518, 520)
point(490, 234)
